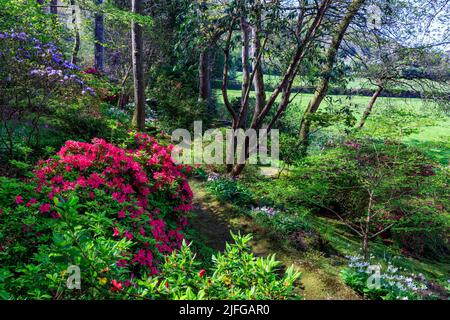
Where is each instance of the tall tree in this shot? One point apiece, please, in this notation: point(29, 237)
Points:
point(54, 6)
point(138, 66)
point(410, 60)
point(208, 19)
point(99, 33)
point(76, 31)
point(309, 19)
point(330, 60)
point(204, 76)
point(204, 69)
point(258, 81)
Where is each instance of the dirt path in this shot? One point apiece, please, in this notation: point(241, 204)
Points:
point(214, 221)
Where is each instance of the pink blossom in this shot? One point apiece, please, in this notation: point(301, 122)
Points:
point(44, 208)
point(121, 214)
point(31, 202)
point(128, 235)
point(19, 199)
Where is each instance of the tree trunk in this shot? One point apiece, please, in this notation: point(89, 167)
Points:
point(366, 230)
point(54, 7)
point(99, 40)
point(204, 75)
point(285, 84)
point(138, 74)
point(258, 81)
point(77, 43)
point(293, 68)
point(124, 97)
point(369, 107)
point(237, 170)
point(245, 58)
point(322, 88)
point(366, 246)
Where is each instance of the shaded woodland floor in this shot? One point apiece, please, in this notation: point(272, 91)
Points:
point(213, 221)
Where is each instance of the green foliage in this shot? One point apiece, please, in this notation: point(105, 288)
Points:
point(80, 240)
point(113, 12)
point(9, 189)
point(78, 123)
point(408, 191)
point(282, 224)
point(236, 274)
point(38, 251)
point(28, 16)
point(44, 98)
point(173, 101)
point(424, 232)
point(199, 173)
point(384, 283)
point(231, 190)
point(37, 254)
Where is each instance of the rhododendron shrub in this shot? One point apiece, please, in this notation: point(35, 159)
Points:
point(41, 65)
point(36, 81)
point(141, 188)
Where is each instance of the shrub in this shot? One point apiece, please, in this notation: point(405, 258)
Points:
point(408, 192)
point(393, 283)
point(230, 190)
point(31, 18)
point(36, 79)
point(39, 252)
point(84, 241)
point(141, 189)
point(235, 274)
point(424, 233)
point(175, 89)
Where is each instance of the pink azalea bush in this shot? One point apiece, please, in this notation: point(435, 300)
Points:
point(118, 215)
point(141, 188)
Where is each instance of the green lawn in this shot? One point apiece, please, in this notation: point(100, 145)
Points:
point(392, 117)
point(361, 101)
point(352, 84)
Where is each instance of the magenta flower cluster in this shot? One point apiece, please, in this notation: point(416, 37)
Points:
point(146, 194)
point(40, 60)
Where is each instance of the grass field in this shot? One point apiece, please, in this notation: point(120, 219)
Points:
point(416, 122)
point(359, 101)
point(272, 80)
point(352, 84)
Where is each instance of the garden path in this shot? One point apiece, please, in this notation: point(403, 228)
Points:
point(214, 220)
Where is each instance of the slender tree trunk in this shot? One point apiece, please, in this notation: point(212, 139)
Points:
point(246, 83)
point(258, 81)
point(99, 40)
point(245, 59)
point(366, 246)
point(285, 83)
point(366, 231)
point(123, 98)
point(322, 88)
point(369, 107)
point(293, 68)
point(54, 7)
point(77, 42)
point(204, 75)
point(138, 74)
